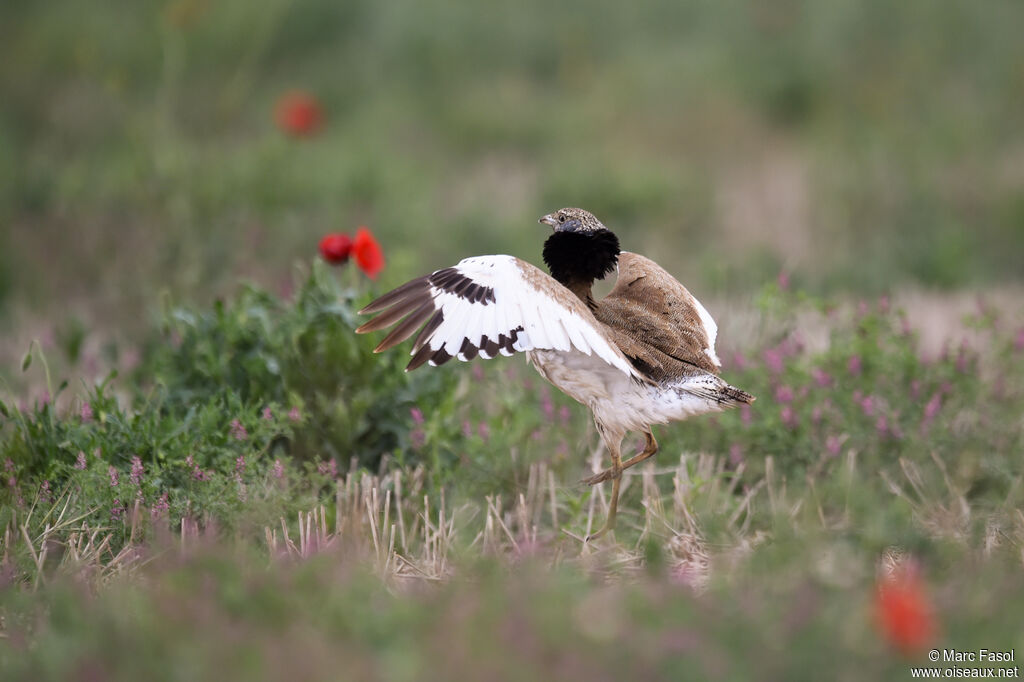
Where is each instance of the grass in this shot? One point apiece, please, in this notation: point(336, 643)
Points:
point(210, 509)
point(207, 473)
point(140, 151)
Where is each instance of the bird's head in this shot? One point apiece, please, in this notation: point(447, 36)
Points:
point(572, 220)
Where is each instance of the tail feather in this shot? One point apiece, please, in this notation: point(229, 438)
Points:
point(712, 387)
point(732, 394)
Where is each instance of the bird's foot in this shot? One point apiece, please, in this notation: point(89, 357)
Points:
point(609, 526)
point(610, 473)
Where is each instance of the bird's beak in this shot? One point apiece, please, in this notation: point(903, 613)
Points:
point(549, 219)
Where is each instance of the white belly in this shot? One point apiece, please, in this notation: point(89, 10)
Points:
point(618, 402)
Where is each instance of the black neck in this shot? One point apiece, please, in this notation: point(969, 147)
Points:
point(578, 258)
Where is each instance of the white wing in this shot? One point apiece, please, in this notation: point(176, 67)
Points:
point(485, 306)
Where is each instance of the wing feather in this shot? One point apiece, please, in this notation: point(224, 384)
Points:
point(486, 306)
point(654, 309)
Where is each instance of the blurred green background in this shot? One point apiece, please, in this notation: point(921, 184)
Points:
point(860, 145)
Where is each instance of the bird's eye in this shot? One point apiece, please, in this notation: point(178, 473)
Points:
point(561, 218)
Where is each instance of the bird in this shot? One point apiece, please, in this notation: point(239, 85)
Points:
point(642, 355)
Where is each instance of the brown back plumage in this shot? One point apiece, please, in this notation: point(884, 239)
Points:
point(655, 321)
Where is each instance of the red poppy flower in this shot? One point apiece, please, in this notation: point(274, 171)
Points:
point(368, 254)
point(905, 616)
point(298, 113)
point(335, 248)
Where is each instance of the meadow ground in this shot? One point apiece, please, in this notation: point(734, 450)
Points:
point(207, 475)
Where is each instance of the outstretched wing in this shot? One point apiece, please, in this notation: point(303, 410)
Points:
point(650, 303)
point(485, 306)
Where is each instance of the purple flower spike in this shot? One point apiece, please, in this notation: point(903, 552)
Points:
point(238, 431)
point(854, 365)
point(135, 477)
point(784, 394)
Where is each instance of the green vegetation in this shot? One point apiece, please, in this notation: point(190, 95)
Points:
point(207, 474)
point(859, 456)
point(862, 144)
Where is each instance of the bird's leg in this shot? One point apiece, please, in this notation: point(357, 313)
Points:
point(650, 449)
point(613, 448)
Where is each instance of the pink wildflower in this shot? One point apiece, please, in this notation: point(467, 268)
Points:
point(882, 426)
point(564, 414)
point(789, 417)
point(883, 304)
point(135, 477)
point(483, 431)
point(160, 508)
point(278, 469)
point(1018, 341)
point(417, 415)
point(80, 462)
point(783, 280)
point(239, 467)
point(197, 473)
point(418, 438)
point(45, 493)
point(238, 431)
point(294, 414)
point(821, 378)
point(783, 394)
point(735, 454)
point(816, 414)
point(268, 414)
point(114, 476)
point(86, 413)
point(547, 406)
point(930, 410)
point(773, 360)
point(746, 417)
point(117, 510)
point(862, 309)
point(467, 429)
point(740, 360)
point(867, 405)
point(833, 444)
point(854, 365)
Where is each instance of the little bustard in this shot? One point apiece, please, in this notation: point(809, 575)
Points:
point(642, 355)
